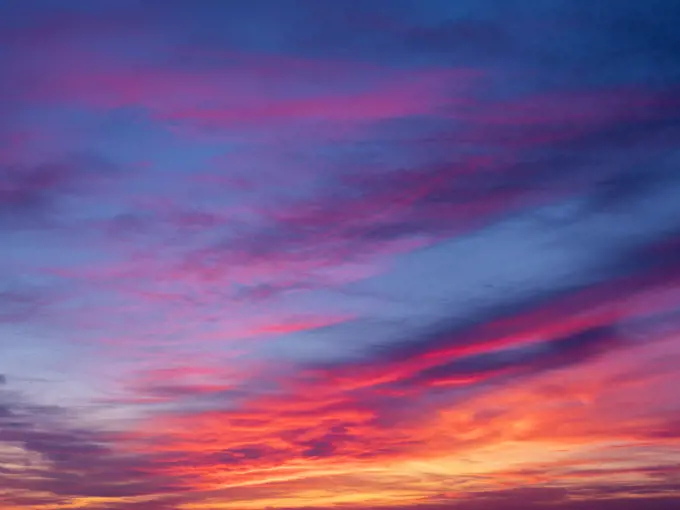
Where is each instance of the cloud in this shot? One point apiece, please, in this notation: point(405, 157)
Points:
point(50, 460)
point(31, 195)
point(19, 303)
point(536, 498)
point(209, 308)
point(253, 91)
point(487, 384)
point(363, 217)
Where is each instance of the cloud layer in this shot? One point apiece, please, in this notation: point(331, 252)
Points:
point(355, 255)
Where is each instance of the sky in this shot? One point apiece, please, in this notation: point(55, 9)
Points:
point(348, 255)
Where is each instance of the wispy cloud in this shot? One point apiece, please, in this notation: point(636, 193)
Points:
point(302, 255)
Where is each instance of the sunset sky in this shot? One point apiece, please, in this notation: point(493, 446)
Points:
point(339, 254)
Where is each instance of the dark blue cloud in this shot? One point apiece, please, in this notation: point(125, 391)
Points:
point(83, 461)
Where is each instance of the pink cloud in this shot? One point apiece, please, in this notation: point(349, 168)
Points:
point(345, 417)
point(246, 91)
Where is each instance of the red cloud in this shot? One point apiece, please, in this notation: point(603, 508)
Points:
point(360, 416)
